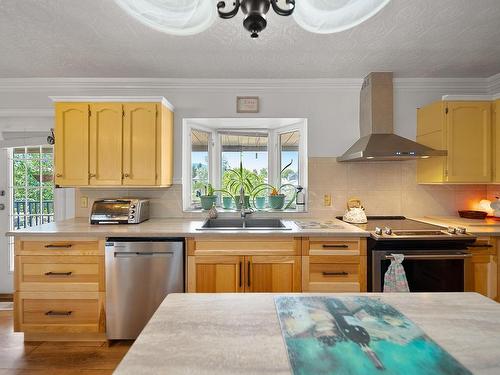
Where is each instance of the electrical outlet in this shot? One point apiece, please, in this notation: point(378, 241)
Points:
point(327, 200)
point(84, 202)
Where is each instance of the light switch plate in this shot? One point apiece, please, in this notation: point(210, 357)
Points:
point(84, 202)
point(327, 200)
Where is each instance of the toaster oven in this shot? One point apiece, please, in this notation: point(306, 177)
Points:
point(119, 211)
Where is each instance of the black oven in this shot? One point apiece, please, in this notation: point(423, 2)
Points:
point(435, 257)
point(426, 270)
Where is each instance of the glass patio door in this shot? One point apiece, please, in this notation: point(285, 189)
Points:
point(29, 199)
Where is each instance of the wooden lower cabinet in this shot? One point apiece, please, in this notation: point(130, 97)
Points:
point(59, 289)
point(234, 265)
point(273, 274)
point(481, 270)
point(216, 274)
point(334, 265)
point(234, 274)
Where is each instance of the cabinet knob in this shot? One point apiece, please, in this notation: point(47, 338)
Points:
point(126, 175)
point(92, 175)
point(58, 175)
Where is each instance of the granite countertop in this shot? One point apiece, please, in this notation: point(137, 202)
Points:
point(486, 227)
point(178, 228)
point(240, 333)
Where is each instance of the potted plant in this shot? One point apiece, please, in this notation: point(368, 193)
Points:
point(276, 198)
point(208, 200)
point(239, 178)
point(227, 200)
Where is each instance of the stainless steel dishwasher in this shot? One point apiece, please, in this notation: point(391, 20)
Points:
point(139, 274)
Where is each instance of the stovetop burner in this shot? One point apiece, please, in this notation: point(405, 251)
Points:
point(401, 228)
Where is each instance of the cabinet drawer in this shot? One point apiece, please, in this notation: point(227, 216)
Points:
point(58, 247)
point(332, 246)
point(245, 246)
point(60, 312)
point(333, 272)
point(60, 273)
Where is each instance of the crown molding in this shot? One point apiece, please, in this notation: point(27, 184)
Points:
point(27, 112)
point(123, 85)
point(132, 84)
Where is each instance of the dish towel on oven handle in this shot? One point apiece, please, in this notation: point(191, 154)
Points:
point(395, 277)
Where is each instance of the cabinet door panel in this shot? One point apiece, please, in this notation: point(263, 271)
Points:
point(276, 274)
point(215, 274)
point(106, 140)
point(468, 126)
point(72, 144)
point(139, 144)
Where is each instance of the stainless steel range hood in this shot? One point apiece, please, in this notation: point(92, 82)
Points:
point(378, 141)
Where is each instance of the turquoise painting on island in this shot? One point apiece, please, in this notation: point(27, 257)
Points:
point(356, 336)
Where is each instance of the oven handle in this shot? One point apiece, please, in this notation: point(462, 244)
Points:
point(433, 257)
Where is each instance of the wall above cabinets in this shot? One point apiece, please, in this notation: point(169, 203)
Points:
point(467, 129)
point(113, 142)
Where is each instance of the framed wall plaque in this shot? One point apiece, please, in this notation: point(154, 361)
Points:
point(247, 104)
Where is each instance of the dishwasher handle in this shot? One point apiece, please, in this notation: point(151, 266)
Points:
point(123, 254)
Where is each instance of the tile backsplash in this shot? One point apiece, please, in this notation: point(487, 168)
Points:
point(385, 188)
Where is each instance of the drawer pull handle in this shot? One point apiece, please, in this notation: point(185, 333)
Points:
point(58, 273)
point(336, 246)
point(64, 246)
point(58, 313)
point(480, 245)
point(342, 273)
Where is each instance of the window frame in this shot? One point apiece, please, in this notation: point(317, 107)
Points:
point(274, 130)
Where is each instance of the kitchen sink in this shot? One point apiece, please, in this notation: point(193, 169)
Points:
point(240, 224)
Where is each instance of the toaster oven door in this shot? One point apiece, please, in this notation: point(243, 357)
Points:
point(110, 212)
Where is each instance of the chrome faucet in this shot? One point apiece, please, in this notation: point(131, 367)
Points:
point(243, 211)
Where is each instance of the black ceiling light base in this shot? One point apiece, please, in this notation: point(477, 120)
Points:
point(255, 12)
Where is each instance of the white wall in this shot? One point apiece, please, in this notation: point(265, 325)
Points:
point(331, 106)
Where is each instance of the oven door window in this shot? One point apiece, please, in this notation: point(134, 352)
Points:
point(443, 275)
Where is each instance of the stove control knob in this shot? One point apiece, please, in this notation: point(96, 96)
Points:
point(452, 230)
point(378, 231)
point(461, 230)
point(388, 231)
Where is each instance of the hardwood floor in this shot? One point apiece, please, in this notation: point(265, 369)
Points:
point(39, 358)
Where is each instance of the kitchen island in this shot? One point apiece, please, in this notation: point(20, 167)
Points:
point(240, 333)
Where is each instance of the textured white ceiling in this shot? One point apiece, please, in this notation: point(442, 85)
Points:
point(95, 38)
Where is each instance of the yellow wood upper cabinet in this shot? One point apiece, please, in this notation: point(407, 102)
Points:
point(464, 129)
point(139, 144)
point(106, 146)
point(114, 142)
point(72, 147)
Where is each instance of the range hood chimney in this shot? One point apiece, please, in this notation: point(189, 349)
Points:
point(378, 141)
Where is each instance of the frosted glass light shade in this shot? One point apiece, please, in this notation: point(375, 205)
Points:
point(178, 17)
point(332, 16)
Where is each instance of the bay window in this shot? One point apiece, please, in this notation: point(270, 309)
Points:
point(271, 152)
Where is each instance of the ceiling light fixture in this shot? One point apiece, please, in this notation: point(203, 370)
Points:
point(188, 17)
point(255, 12)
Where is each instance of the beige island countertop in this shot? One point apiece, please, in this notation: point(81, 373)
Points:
point(240, 333)
point(80, 227)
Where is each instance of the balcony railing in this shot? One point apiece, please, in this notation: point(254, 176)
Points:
point(28, 214)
